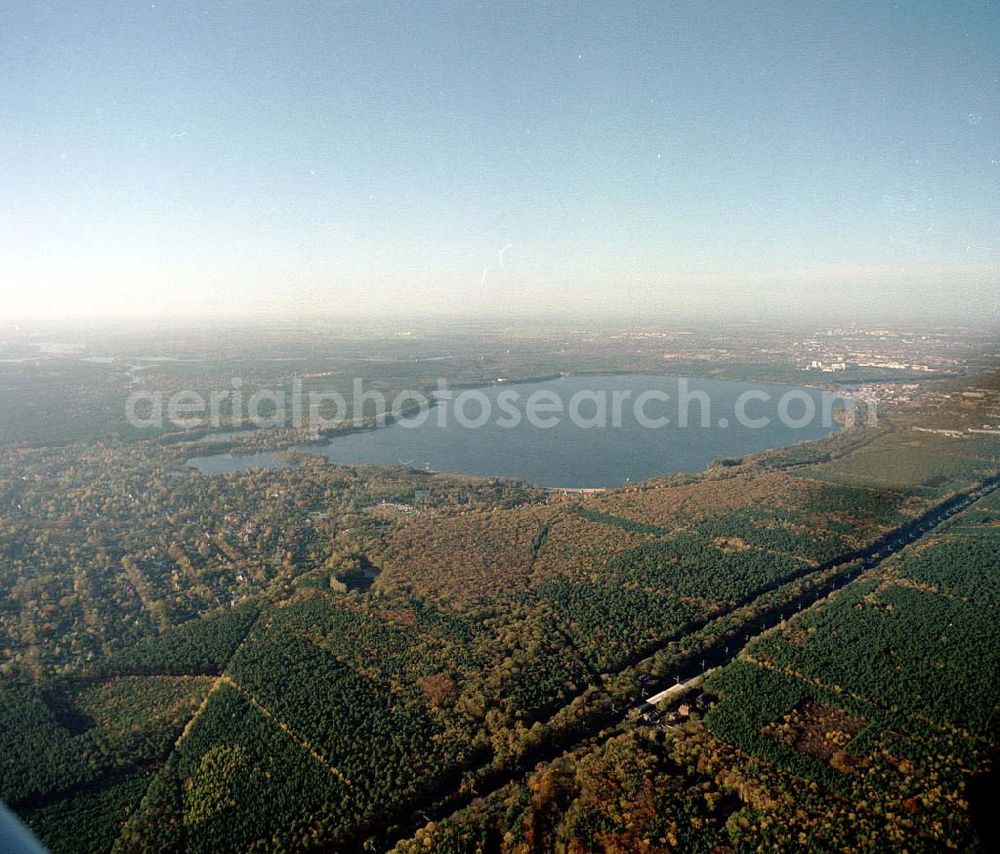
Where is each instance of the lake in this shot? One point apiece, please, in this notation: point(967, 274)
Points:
point(594, 451)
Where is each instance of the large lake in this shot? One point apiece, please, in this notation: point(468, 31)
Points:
point(605, 454)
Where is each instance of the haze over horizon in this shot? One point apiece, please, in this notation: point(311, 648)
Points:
point(170, 159)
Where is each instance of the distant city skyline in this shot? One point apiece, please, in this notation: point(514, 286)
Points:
point(759, 159)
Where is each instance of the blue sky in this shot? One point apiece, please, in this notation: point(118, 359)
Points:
point(438, 157)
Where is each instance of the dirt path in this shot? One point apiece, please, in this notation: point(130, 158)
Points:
point(156, 608)
point(299, 740)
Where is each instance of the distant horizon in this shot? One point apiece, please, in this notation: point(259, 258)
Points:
point(666, 320)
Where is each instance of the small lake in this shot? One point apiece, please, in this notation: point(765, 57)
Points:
point(594, 451)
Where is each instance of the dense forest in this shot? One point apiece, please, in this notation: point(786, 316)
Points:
point(836, 730)
point(317, 656)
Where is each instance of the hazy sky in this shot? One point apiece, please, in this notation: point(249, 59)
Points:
point(438, 157)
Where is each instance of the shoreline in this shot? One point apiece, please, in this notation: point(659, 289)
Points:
point(388, 419)
point(314, 445)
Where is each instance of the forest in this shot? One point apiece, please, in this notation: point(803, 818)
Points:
point(822, 757)
point(317, 656)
